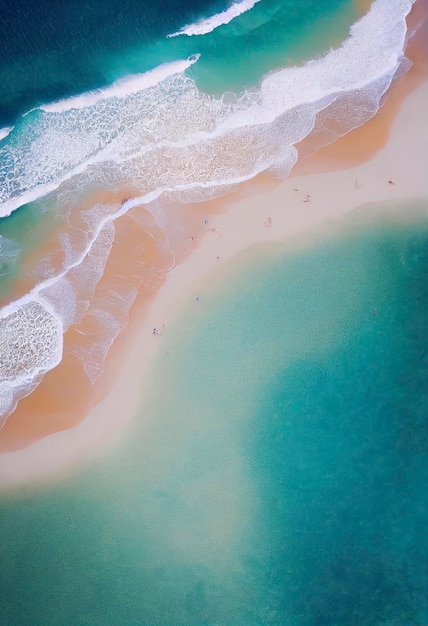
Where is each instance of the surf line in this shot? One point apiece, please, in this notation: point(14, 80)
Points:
point(204, 26)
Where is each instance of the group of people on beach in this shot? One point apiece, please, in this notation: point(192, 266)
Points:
point(268, 224)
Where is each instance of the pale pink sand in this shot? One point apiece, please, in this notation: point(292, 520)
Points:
point(243, 223)
point(140, 258)
point(362, 143)
point(65, 395)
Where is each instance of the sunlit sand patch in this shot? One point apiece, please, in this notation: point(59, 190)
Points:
point(147, 244)
point(137, 264)
point(361, 143)
point(97, 309)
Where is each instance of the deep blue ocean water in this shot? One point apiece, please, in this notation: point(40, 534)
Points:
point(185, 102)
point(279, 474)
point(60, 49)
point(277, 470)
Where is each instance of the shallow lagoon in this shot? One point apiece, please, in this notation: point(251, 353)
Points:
point(277, 470)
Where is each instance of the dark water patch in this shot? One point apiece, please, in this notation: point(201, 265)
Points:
point(59, 48)
point(67, 48)
point(276, 476)
point(340, 446)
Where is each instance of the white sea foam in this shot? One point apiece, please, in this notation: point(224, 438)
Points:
point(4, 132)
point(166, 122)
point(204, 26)
point(172, 141)
point(123, 87)
point(30, 344)
point(32, 327)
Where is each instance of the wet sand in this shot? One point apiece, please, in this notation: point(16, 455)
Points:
point(140, 259)
point(353, 171)
point(363, 142)
point(271, 213)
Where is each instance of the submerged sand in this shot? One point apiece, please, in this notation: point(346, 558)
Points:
point(294, 212)
point(333, 181)
point(143, 254)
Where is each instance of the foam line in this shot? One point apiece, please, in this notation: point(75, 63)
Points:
point(40, 191)
point(204, 26)
point(173, 112)
point(170, 138)
point(20, 337)
point(214, 184)
point(123, 87)
point(31, 343)
point(4, 132)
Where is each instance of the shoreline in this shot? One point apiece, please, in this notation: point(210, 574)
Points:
point(54, 405)
point(270, 214)
point(346, 152)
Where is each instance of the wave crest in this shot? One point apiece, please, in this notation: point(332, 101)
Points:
point(4, 132)
point(141, 136)
point(169, 139)
point(30, 344)
point(207, 25)
point(123, 87)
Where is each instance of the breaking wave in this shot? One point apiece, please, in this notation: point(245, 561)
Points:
point(123, 87)
point(32, 327)
point(30, 345)
point(204, 26)
point(4, 132)
point(141, 135)
point(160, 134)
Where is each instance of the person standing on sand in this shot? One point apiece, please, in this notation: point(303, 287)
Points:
point(156, 331)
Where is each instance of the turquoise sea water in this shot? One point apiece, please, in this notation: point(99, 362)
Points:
point(113, 83)
point(276, 472)
point(64, 48)
point(277, 475)
point(154, 107)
